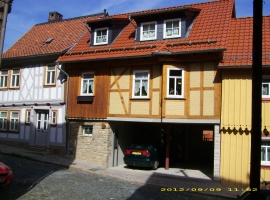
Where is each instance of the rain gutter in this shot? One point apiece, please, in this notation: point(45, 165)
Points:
point(187, 52)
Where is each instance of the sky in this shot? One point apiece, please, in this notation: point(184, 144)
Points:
point(26, 13)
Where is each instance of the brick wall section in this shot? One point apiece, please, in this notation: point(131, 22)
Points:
point(195, 103)
point(124, 81)
point(140, 108)
point(209, 76)
point(208, 103)
point(175, 108)
point(116, 106)
point(96, 148)
point(195, 75)
point(155, 103)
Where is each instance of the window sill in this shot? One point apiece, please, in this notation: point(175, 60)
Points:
point(49, 86)
point(172, 37)
point(150, 39)
point(175, 98)
point(265, 99)
point(265, 166)
point(85, 98)
point(98, 44)
point(141, 98)
point(14, 88)
point(87, 135)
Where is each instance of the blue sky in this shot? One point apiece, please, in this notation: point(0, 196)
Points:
point(26, 13)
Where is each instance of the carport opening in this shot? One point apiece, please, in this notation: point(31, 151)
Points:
point(191, 146)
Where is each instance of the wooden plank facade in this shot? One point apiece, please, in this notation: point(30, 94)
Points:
point(236, 126)
point(87, 109)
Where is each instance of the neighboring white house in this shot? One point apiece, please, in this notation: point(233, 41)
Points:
point(32, 86)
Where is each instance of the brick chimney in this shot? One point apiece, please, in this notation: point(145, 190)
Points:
point(54, 16)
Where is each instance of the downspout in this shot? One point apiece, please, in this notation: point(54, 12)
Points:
point(66, 119)
point(3, 28)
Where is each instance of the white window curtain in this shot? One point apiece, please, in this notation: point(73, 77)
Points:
point(149, 30)
point(172, 28)
point(88, 83)
point(141, 84)
point(101, 36)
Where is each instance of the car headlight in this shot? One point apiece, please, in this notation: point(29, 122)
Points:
point(10, 172)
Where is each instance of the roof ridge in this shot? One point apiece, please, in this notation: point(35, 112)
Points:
point(168, 8)
point(68, 19)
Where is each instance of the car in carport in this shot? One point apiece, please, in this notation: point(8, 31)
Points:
point(142, 155)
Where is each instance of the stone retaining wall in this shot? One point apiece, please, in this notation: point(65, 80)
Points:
point(93, 148)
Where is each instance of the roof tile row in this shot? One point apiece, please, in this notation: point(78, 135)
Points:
point(215, 28)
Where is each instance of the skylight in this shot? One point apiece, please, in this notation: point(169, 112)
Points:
point(49, 40)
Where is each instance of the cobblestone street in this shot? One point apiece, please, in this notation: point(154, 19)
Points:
point(39, 180)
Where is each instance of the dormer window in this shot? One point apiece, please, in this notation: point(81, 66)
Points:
point(101, 36)
point(172, 28)
point(149, 31)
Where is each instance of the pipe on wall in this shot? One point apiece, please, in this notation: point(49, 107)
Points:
point(59, 66)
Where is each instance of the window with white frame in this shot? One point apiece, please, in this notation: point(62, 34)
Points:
point(27, 116)
point(14, 121)
point(172, 28)
point(149, 31)
point(101, 36)
point(50, 75)
point(15, 78)
point(266, 87)
point(265, 152)
point(3, 79)
point(140, 84)
point(88, 130)
point(54, 117)
point(3, 120)
point(87, 83)
point(175, 83)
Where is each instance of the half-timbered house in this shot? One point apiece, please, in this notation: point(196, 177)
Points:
point(32, 86)
point(149, 77)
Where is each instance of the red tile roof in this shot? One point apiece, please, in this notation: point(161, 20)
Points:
point(64, 33)
point(209, 32)
point(239, 45)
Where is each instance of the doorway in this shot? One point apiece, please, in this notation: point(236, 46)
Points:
point(42, 121)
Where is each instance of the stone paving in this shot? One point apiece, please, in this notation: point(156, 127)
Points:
point(164, 182)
